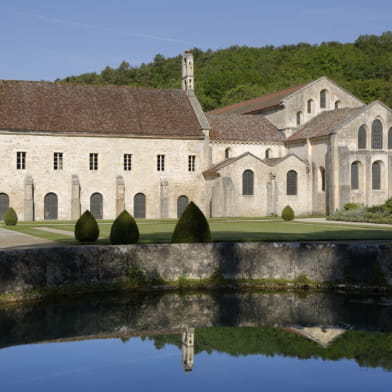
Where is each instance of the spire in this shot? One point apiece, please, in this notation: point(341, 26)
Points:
point(187, 72)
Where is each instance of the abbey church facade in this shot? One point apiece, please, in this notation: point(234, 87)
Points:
point(66, 148)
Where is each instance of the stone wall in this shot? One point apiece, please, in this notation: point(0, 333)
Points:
point(31, 269)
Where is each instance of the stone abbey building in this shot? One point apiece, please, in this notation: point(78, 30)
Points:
point(66, 148)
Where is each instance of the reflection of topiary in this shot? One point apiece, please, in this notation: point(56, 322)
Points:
point(86, 228)
point(288, 213)
point(124, 230)
point(192, 226)
point(10, 217)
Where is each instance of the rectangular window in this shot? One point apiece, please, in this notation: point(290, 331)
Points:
point(58, 161)
point(191, 163)
point(93, 161)
point(20, 160)
point(127, 162)
point(160, 162)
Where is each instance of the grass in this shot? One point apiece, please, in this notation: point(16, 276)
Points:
point(223, 229)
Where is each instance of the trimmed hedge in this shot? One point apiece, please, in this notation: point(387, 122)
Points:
point(86, 228)
point(124, 230)
point(288, 213)
point(10, 217)
point(192, 226)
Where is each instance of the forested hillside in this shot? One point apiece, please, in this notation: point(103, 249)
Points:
point(238, 73)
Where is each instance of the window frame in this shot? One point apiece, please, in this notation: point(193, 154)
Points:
point(191, 163)
point(127, 162)
point(377, 135)
point(58, 161)
point(160, 162)
point(93, 161)
point(21, 160)
point(292, 183)
point(248, 182)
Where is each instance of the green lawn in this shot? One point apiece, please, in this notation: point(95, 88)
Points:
point(229, 229)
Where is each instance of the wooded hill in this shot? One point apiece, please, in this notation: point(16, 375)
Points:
point(237, 73)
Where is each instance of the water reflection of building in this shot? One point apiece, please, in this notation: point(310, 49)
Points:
point(322, 336)
point(188, 341)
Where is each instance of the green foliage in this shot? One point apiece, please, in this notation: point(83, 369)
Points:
point(240, 72)
point(288, 213)
point(351, 206)
point(124, 230)
point(10, 217)
point(86, 228)
point(192, 226)
point(138, 277)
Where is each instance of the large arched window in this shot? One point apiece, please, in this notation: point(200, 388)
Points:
point(96, 205)
point(182, 202)
point(50, 206)
point(299, 118)
point(362, 137)
point(247, 182)
point(376, 175)
point(291, 184)
point(377, 134)
point(139, 206)
point(390, 139)
point(310, 106)
point(355, 175)
point(4, 204)
point(323, 99)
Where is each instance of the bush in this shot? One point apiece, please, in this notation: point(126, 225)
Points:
point(388, 205)
point(10, 217)
point(288, 213)
point(192, 226)
point(124, 230)
point(86, 228)
point(351, 206)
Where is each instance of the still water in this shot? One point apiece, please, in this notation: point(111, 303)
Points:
point(225, 341)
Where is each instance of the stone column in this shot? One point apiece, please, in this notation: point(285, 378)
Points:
point(75, 197)
point(120, 195)
point(228, 196)
point(164, 198)
point(272, 195)
point(28, 198)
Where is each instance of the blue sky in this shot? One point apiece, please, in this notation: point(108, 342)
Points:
point(47, 39)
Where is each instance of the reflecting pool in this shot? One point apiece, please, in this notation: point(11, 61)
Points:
point(220, 341)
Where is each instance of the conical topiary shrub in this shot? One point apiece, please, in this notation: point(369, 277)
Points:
point(124, 230)
point(86, 228)
point(10, 217)
point(288, 213)
point(192, 226)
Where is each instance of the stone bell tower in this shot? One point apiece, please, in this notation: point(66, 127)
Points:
point(187, 72)
point(188, 349)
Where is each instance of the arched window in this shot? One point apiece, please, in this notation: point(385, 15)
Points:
point(247, 182)
point(355, 175)
point(323, 99)
point(376, 175)
point(227, 152)
point(4, 204)
point(322, 179)
point(362, 137)
point(50, 206)
point(337, 104)
point(182, 202)
point(96, 205)
point(377, 134)
point(291, 184)
point(299, 118)
point(390, 139)
point(139, 206)
point(267, 153)
point(309, 106)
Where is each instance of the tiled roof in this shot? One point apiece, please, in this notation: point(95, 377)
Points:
point(213, 170)
point(237, 127)
point(259, 103)
point(59, 107)
point(325, 123)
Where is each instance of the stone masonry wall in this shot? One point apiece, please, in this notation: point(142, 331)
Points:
point(30, 269)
